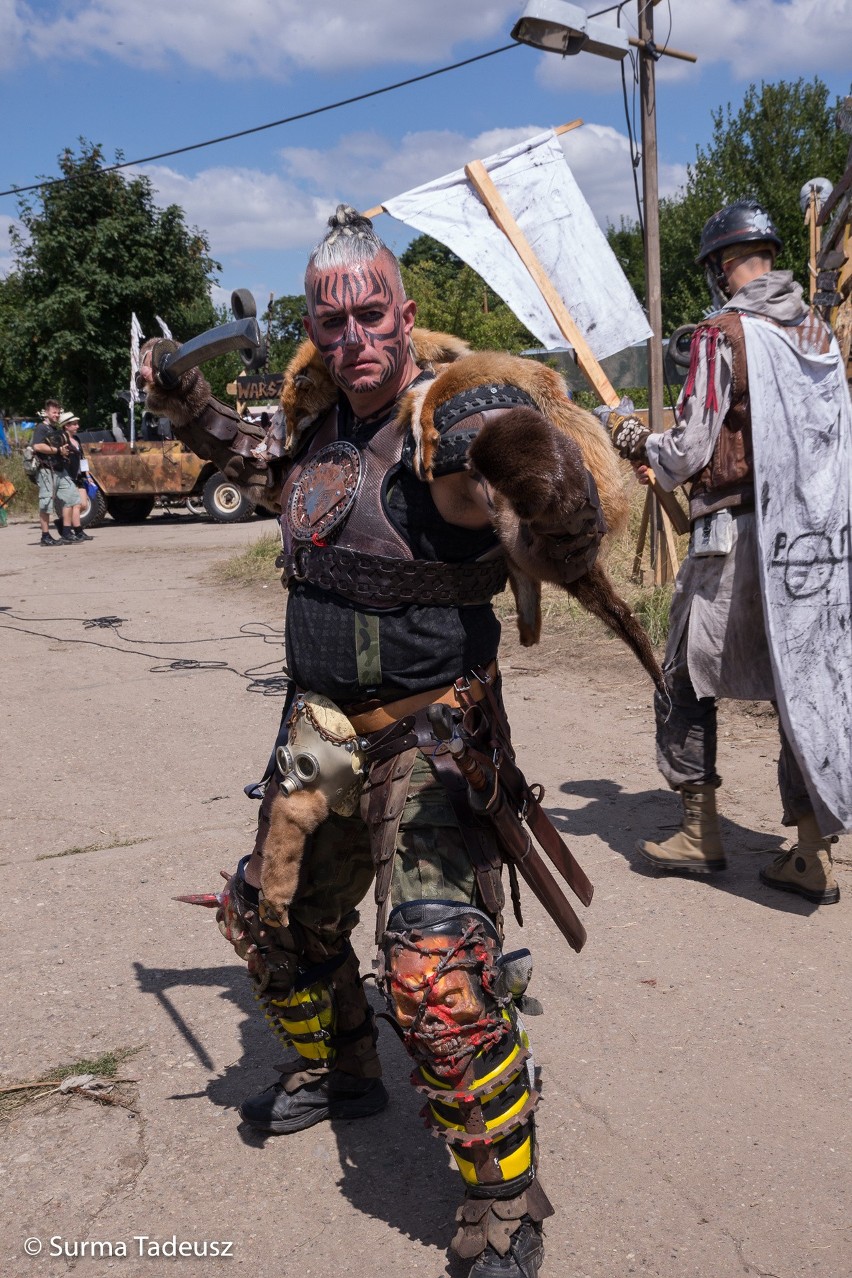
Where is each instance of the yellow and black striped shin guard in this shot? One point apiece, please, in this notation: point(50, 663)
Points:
point(304, 1018)
point(488, 1124)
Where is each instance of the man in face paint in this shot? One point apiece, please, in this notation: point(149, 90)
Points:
point(390, 575)
point(360, 321)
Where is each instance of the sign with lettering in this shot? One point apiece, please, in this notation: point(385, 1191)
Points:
point(255, 387)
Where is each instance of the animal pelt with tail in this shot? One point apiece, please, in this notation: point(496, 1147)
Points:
point(293, 818)
point(536, 472)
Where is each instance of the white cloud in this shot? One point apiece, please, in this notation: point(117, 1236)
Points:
point(366, 168)
point(244, 211)
point(757, 39)
point(262, 37)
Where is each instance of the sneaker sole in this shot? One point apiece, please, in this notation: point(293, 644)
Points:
point(347, 1109)
point(830, 897)
point(685, 867)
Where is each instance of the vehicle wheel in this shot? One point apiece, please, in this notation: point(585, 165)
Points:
point(678, 349)
point(130, 510)
point(195, 504)
point(224, 502)
point(95, 513)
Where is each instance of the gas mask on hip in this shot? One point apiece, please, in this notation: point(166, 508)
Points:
point(319, 770)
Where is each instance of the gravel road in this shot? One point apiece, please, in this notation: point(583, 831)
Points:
point(696, 1056)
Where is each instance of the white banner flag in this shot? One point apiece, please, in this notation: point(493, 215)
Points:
point(535, 181)
point(136, 338)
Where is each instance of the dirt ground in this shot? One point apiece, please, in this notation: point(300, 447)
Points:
point(696, 1116)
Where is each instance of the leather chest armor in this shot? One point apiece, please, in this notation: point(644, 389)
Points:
point(728, 478)
point(338, 536)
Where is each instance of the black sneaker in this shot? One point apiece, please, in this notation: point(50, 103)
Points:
point(522, 1260)
point(333, 1096)
point(79, 535)
point(68, 539)
point(47, 540)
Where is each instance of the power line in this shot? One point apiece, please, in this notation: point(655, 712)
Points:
point(273, 124)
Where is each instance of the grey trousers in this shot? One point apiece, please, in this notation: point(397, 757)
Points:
point(686, 739)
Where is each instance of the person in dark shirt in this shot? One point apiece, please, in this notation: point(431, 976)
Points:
point(393, 548)
point(53, 447)
point(77, 468)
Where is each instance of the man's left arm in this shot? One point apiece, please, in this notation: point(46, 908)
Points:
point(519, 457)
point(678, 454)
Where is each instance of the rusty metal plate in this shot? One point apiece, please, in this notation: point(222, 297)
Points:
point(149, 468)
point(324, 493)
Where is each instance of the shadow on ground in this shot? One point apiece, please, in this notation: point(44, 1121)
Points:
point(619, 818)
point(391, 1168)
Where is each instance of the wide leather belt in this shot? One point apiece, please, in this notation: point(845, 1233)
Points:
point(384, 716)
point(388, 582)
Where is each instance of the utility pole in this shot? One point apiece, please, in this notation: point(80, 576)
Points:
point(651, 202)
point(661, 546)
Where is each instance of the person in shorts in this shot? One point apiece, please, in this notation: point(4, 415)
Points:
point(53, 447)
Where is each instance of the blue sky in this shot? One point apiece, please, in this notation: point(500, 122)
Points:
point(144, 78)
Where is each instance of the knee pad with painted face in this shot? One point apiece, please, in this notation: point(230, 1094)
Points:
point(452, 994)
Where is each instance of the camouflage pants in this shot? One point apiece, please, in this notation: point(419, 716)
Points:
point(431, 861)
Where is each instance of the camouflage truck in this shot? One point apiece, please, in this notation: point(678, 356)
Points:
point(130, 479)
point(131, 471)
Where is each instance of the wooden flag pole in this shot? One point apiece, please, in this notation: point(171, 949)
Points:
point(501, 214)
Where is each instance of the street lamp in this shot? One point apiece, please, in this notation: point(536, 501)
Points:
point(558, 27)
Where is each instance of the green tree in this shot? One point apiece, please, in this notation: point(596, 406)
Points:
point(286, 330)
point(781, 135)
point(94, 249)
point(452, 298)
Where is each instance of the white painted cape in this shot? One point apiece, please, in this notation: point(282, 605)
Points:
point(803, 486)
point(539, 188)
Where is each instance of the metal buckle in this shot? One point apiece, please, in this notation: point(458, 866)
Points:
point(299, 563)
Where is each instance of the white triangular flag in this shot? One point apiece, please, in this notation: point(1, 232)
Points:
point(535, 181)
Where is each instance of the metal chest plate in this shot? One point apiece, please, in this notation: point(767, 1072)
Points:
point(325, 491)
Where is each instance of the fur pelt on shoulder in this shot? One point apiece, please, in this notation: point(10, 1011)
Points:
point(308, 392)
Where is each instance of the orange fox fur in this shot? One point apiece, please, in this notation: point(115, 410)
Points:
point(292, 821)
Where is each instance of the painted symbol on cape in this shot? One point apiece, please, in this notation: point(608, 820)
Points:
point(809, 560)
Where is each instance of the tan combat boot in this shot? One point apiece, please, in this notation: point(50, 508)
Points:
point(806, 868)
point(697, 846)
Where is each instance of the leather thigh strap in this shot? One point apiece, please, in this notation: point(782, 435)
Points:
point(382, 803)
point(481, 847)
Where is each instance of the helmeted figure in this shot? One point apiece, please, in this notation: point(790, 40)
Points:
point(764, 390)
point(413, 478)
